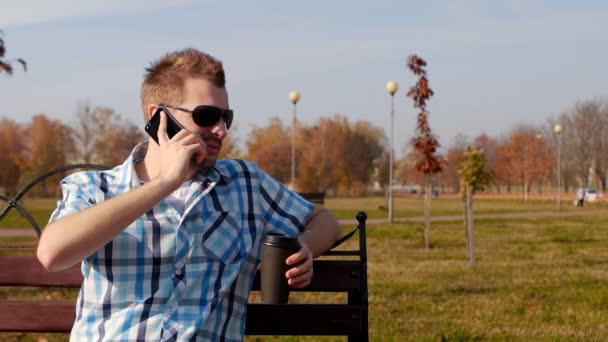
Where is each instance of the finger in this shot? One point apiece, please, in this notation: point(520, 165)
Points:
point(301, 281)
point(299, 256)
point(182, 134)
point(299, 277)
point(201, 156)
point(162, 129)
point(194, 149)
point(300, 269)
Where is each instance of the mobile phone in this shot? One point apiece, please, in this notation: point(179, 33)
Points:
point(173, 126)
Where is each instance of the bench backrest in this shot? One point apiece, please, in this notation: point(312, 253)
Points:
point(314, 197)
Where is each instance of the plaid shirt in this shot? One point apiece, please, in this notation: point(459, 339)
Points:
point(171, 277)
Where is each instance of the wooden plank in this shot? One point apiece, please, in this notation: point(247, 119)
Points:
point(262, 319)
point(303, 319)
point(26, 270)
point(29, 316)
point(314, 197)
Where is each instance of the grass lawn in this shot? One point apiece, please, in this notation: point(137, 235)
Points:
point(347, 208)
point(536, 279)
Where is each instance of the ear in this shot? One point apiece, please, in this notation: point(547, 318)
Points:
point(151, 110)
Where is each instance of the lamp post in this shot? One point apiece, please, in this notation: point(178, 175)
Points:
point(391, 87)
point(294, 97)
point(558, 131)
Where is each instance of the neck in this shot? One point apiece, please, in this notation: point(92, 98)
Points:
point(149, 168)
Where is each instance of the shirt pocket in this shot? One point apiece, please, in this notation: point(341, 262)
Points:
point(221, 240)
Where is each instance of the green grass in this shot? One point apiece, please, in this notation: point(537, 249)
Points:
point(40, 209)
point(536, 279)
point(375, 207)
point(347, 208)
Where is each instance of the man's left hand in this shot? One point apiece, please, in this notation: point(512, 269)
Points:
point(300, 273)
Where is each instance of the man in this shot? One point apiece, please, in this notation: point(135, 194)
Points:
point(580, 197)
point(170, 240)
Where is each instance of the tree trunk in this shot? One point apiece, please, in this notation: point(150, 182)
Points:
point(465, 215)
point(427, 211)
point(525, 188)
point(471, 239)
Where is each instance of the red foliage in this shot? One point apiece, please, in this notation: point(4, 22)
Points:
point(425, 143)
point(5, 66)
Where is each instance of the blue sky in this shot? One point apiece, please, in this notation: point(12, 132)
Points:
point(492, 64)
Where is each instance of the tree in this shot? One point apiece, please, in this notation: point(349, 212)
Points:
point(265, 147)
point(454, 155)
point(528, 158)
point(473, 177)
point(585, 129)
point(6, 65)
point(425, 143)
point(102, 136)
point(489, 146)
point(230, 149)
point(324, 163)
point(12, 147)
point(338, 156)
point(363, 148)
point(50, 146)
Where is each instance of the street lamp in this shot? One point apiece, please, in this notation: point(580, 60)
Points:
point(391, 87)
point(294, 97)
point(558, 131)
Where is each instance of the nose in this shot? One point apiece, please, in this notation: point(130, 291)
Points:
point(219, 129)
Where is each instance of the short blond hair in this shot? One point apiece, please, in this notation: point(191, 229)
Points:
point(164, 79)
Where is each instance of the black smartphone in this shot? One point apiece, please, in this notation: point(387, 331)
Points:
point(173, 126)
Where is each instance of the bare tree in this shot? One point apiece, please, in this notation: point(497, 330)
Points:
point(583, 127)
point(102, 136)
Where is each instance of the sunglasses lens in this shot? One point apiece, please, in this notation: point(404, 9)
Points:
point(228, 116)
point(207, 116)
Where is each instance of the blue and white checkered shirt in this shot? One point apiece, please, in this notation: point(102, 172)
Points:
point(171, 277)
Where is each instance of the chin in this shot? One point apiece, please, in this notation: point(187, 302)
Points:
point(207, 163)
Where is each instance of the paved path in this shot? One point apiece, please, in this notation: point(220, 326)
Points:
point(594, 212)
point(29, 232)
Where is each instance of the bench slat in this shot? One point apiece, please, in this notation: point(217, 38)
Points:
point(303, 319)
point(29, 316)
point(26, 270)
point(262, 319)
point(329, 276)
point(314, 197)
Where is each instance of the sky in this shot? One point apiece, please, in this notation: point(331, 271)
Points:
point(493, 65)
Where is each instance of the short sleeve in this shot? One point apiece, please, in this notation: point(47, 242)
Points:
point(77, 194)
point(283, 210)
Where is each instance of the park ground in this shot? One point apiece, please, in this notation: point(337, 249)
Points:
point(538, 276)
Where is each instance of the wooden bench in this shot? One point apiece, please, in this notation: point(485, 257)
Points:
point(314, 197)
point(347, 275)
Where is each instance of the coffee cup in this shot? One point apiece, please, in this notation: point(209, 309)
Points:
point(275, 251)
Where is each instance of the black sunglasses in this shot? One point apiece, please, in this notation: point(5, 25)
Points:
point(206, 116)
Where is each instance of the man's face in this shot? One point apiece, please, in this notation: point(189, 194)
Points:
point(197, 92)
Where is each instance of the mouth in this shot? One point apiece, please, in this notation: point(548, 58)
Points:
point(213, 145)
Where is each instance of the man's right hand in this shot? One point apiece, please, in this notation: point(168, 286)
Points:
point(181, 156)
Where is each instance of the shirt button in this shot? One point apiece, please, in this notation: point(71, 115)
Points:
point(178, 272)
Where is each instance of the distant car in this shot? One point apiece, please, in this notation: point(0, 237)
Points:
point(590, 195)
